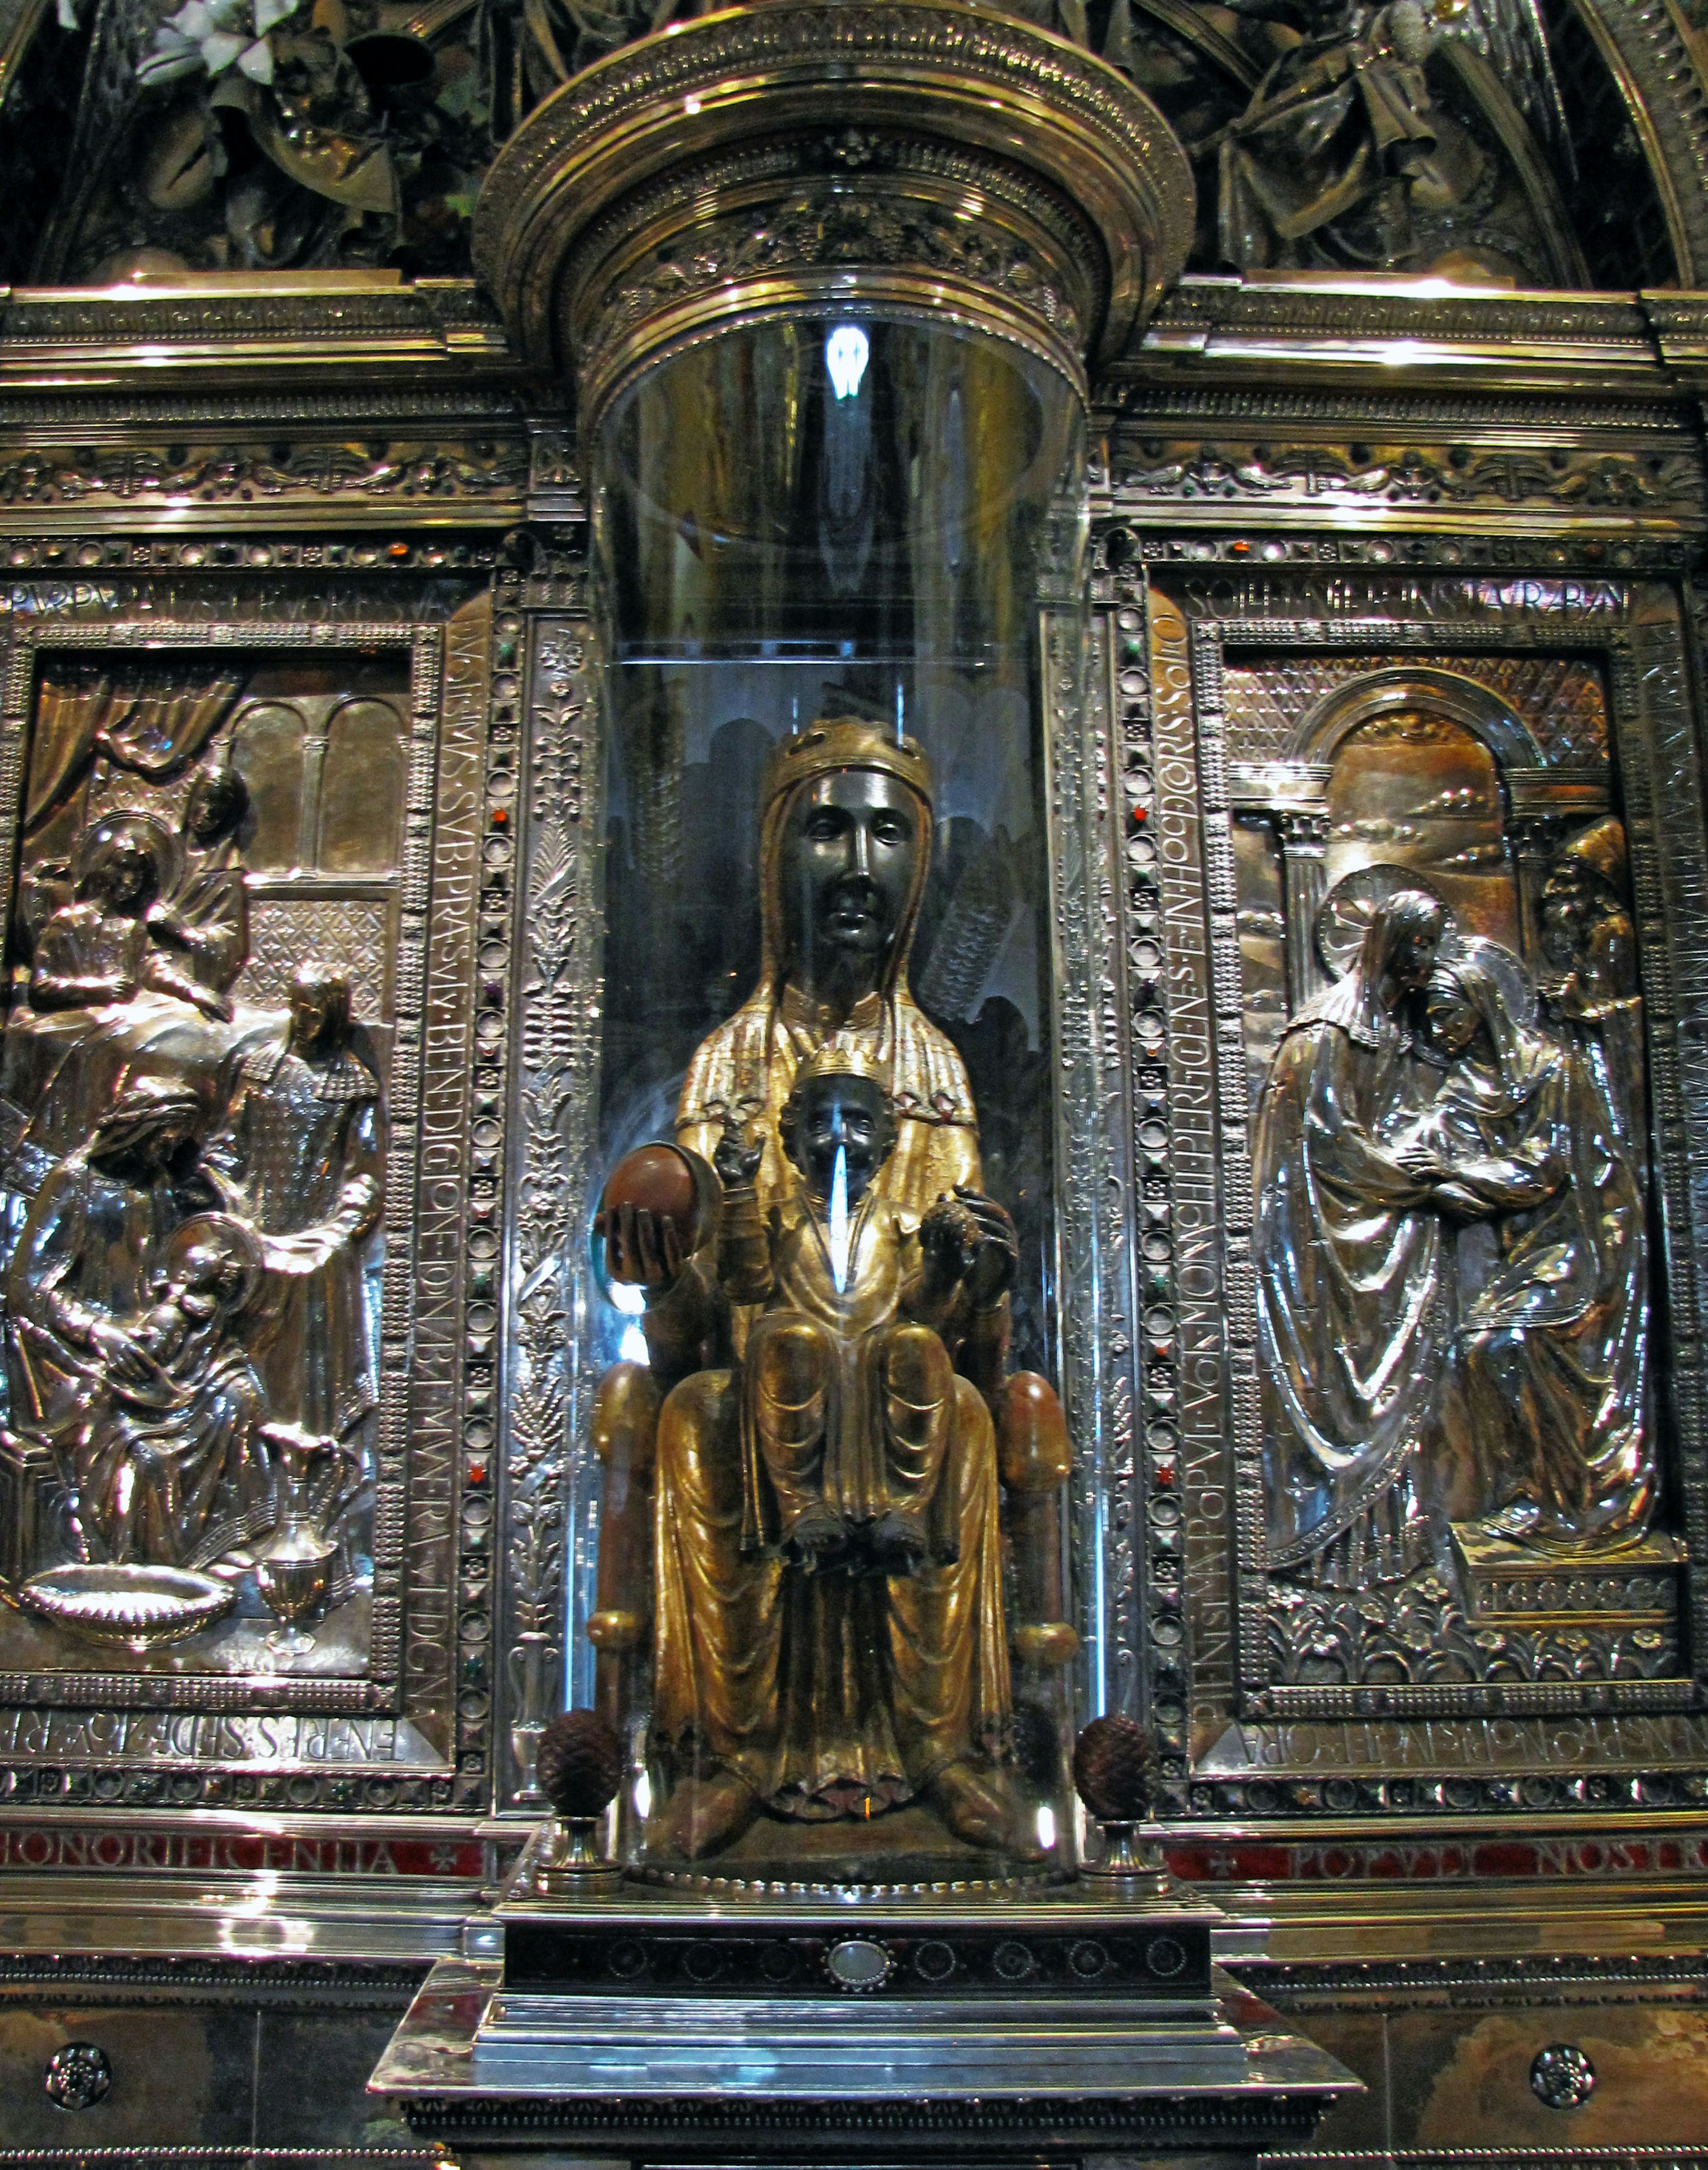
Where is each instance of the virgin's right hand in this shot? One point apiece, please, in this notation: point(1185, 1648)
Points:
point(126, 1362)
point(735, 1161)
point(642, 1248)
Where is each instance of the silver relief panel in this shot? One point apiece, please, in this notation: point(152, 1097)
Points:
point(1453, 1528)
point(241, 936)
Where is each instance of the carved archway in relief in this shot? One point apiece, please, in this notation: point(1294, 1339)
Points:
point(1516, 815)
point(1418, 794)
point(1322, 730)
point(1657, 67)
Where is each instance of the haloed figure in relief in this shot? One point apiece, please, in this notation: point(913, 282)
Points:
point(1453, 1267)
point(167, 1355)
point(1552, 1433)
point(1352, 1316)
point(832, 1435)
point(124, 1353)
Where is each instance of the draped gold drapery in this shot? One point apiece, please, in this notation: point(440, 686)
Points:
point(140, 720)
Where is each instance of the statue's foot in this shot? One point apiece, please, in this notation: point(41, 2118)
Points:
point(1517, 1521)
point(818, 1537)
point(980, 1806)
point(703, 1815)
point(897, 1541)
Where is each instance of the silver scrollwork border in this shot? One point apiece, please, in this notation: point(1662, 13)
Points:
point(549, 1508)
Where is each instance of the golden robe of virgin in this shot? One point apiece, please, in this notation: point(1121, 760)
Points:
point(816, 1697)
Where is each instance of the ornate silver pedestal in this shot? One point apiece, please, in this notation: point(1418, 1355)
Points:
point(630, 2023)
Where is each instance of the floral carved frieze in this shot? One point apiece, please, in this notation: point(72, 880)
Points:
point(823, 228)
point(398, 474)
point(1587, 481)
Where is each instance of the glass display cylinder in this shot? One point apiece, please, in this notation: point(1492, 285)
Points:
point(824, 1592)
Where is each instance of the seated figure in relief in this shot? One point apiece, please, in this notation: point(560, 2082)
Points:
point(99, 948)
point(177, 1467)
point(122, 1356)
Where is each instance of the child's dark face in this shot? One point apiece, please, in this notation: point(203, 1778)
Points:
point(848, 1112)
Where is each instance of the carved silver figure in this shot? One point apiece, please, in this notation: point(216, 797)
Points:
point(1344, 155)
point(207, 914)
point(1352, 1322)
point(299, 1157)
point(1453, 1267)
point(101, 948)
point(1553, 1300)
point(122, 1356)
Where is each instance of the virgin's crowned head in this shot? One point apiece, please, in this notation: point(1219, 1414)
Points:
point(847, 828)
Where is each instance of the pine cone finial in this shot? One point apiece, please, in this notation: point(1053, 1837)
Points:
point(1115, 1769)
point(578, 1765)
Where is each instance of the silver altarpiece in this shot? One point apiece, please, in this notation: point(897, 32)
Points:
point(851, 1115)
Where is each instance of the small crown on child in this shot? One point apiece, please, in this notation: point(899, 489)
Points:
point(842, 1058)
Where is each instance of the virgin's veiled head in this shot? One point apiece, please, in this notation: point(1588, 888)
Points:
point(149, 1120)
point(121, 876)
point(1402, 938)
point(1480, 1022)
point(845, 847)
point(1405, 931)
point(127, 859)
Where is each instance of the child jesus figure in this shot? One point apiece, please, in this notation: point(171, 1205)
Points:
point(847, 1392)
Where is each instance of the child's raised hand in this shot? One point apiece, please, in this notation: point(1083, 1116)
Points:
point(735, 1161)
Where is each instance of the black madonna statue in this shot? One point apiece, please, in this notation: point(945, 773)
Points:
point(809, 1487)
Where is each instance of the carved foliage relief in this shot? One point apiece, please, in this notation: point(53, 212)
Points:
point(362, 137)
point(211, 917)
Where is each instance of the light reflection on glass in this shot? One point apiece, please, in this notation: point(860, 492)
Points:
point(846, 352)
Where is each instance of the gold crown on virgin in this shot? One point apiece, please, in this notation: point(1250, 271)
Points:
point(834, 742)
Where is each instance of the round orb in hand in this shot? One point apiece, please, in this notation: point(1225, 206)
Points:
point(675, 1186)
point(579, 1764)
point(1115, 1769)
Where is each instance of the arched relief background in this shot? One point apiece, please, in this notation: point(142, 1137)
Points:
point(326, 777)
point(1393, 767)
